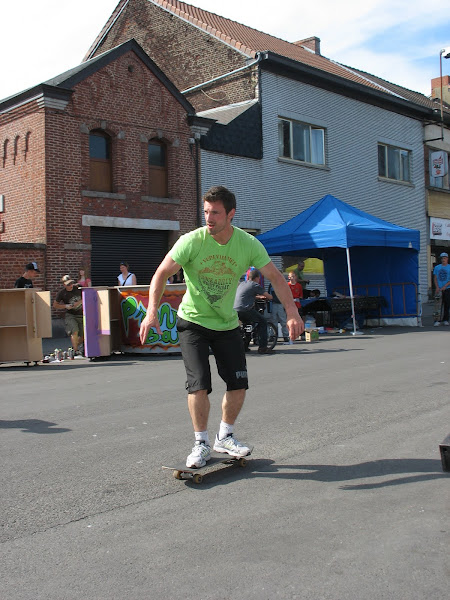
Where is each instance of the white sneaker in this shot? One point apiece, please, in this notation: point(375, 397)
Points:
point(436, 323)
point(446, 323)
point(199, 455)
point(231, 446)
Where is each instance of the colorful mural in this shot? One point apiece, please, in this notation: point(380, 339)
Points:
point(133, 308)
point(113, 317)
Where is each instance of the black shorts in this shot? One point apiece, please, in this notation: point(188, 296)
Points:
point(227, 348)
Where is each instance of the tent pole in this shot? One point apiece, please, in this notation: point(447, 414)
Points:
point(350, 281)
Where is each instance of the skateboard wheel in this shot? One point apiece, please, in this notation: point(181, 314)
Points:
point(242, 462)
point(177, 474)
point(197, 478)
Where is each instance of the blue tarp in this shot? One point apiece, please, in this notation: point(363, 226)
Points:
point(381, 253)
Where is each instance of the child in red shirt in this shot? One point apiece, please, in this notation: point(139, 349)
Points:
point(296, 288)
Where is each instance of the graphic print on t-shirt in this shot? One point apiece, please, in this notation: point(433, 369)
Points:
point(215, 276)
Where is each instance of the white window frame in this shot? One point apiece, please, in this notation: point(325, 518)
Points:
point(308, 150)
point(400, 166)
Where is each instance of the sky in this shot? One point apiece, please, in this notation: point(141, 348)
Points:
point(398, 40)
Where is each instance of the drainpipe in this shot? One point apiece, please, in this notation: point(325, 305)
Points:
point(197, 181)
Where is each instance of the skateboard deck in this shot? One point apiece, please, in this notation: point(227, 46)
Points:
point(215, 463)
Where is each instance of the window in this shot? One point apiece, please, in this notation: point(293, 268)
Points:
point(393, 163)
point(157, 169)
point(438, 166)
point(302, 142)
point(100, 161)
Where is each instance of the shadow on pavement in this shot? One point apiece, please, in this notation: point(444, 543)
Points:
point(412, 469)
point(409, 471)
point(33, 426)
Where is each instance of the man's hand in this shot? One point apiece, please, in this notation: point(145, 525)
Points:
point(150, 320)
point(295, 325)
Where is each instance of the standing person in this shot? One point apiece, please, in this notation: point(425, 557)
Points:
point(442, 286)
point(299, 272)
point(69, 299)
point(296, 289)
point(125, 277)
point(278, 315)
point(84, 280)
point(213, 258)
point(244, 305)
point(26, 280)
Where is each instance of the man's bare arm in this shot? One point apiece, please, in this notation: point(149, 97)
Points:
point(294, 321)
point(167, 268)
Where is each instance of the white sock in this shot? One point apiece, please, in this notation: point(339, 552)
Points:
point(225, 430)
point(202, 436)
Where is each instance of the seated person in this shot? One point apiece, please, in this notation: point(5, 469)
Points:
point(311, 294)
point(244, 304)
point(296, 289)
point(261, 277)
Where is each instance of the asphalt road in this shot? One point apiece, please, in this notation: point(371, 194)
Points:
point(343, 498)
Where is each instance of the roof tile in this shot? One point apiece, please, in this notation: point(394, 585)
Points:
point(249, 41)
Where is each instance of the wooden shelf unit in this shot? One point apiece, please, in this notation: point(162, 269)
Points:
point(25, 318)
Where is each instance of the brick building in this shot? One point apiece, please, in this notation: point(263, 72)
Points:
point(98, 165)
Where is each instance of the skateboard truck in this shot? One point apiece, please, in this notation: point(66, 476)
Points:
point(445, 453)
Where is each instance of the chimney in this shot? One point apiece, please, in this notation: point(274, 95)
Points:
point(312, 43)
point(436, 88)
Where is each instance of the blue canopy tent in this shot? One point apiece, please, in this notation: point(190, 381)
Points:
point(359, 251)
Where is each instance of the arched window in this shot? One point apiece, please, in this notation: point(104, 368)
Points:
point(100, 161)
point(157, 169)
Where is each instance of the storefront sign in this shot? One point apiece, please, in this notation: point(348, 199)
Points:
point(439, 164)
point(439, 229)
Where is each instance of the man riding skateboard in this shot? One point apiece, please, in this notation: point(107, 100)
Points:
point(213, 259)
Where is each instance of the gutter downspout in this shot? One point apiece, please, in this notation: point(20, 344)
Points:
point(197, 181)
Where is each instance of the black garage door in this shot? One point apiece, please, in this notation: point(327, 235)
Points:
point(142, 249)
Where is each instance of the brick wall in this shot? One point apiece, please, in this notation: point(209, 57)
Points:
point(46, 198)
point(187, 55)
point(14, 257)
point(22, 167)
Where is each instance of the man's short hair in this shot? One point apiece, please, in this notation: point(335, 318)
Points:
point(254, 273)
point(219, 193)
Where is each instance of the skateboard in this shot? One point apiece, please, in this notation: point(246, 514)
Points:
point(437, 307)
point(215, 463)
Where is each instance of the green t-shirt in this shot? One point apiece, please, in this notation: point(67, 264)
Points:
point(212, 272)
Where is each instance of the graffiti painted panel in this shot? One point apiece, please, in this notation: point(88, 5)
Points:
point(133, 308)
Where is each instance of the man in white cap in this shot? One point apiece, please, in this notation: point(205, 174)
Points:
point(442, 286)
point(69, 299)
point(26, 281)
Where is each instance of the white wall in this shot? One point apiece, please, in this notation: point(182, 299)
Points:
point(271, 191)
